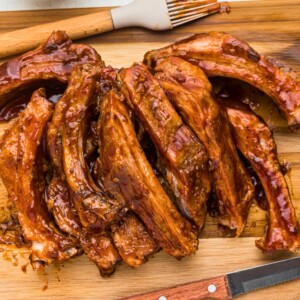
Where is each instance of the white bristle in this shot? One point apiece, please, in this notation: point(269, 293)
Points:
point(188, 19)
point(181, 11)
point(193, 10)
point(188, 6)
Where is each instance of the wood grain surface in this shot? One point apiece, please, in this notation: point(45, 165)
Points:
point(272, 28)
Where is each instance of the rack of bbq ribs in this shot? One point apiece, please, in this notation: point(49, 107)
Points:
point(119, 164)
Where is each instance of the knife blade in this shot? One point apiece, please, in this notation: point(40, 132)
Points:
point(230, 285)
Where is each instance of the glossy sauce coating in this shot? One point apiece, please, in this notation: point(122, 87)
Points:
point(221, 54)
point(125, 166)
point(50, 65)
point(22, 174)
point(255, 141)
point(95, 209)
point(133, 241)
point(190, 91)
point(183, 156)
point(239, 95)
point(95, 243)
point(129, 234)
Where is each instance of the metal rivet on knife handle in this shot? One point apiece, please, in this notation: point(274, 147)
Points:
point(212, 288)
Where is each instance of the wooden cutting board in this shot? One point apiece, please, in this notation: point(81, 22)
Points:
point(272, 28)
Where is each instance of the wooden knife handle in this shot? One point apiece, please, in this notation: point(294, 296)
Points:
point(22, 40)
point(213, 288)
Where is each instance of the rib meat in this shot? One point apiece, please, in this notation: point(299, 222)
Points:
point(22, 173)
point(125, 166)
point(95, 209)
point(190, 91)
point(48, 65)
point(185, 159)
point(11, 234)
point(129, 234)
point(99, 248)
point(221, 54)
point(255, 141)
point(58, 200)
point(96, 244)
point(132, 240)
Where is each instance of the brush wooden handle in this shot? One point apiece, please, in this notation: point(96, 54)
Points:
point(22, 40)
point(213, 288)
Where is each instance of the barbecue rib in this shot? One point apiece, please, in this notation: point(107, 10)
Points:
point(125, 166)
point(22, 173)
point(58, 200)
point(100, 249)
point(132, 240)
point(129, 234)
point(190, 91)
point(255, 141)
point(185, 159)
point(49, 65)
point(97, 246)
point(94, 207)
point(221, 54)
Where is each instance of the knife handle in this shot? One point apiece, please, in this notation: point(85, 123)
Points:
point(15, 42)
point(213, 288)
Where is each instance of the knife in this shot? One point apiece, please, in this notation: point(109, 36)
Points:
point(230, 285)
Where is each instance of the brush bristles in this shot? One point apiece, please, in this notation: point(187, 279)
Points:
point(181, 11)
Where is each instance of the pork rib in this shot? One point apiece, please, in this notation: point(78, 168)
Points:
point(129, 234)
point(58, 200)
point(22, 174)
point(190, 91)
point(95, 209)
point(255, 141)
point(184, 157)
point(125, 166)
point(221, 54)
point(48, 65)
point(96, 244)
point(132, 240)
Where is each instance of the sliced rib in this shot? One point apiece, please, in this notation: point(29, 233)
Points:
point(129, 234)
point(48, 65)
point(184, 157)
point(58, 199)
point(96, 244)
point(255, 141)
point(22, 173)
point(99, 248)
point(221, 54)
point(132, 240)
point(125, 166)
point(190, 91)
point(95, 209)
